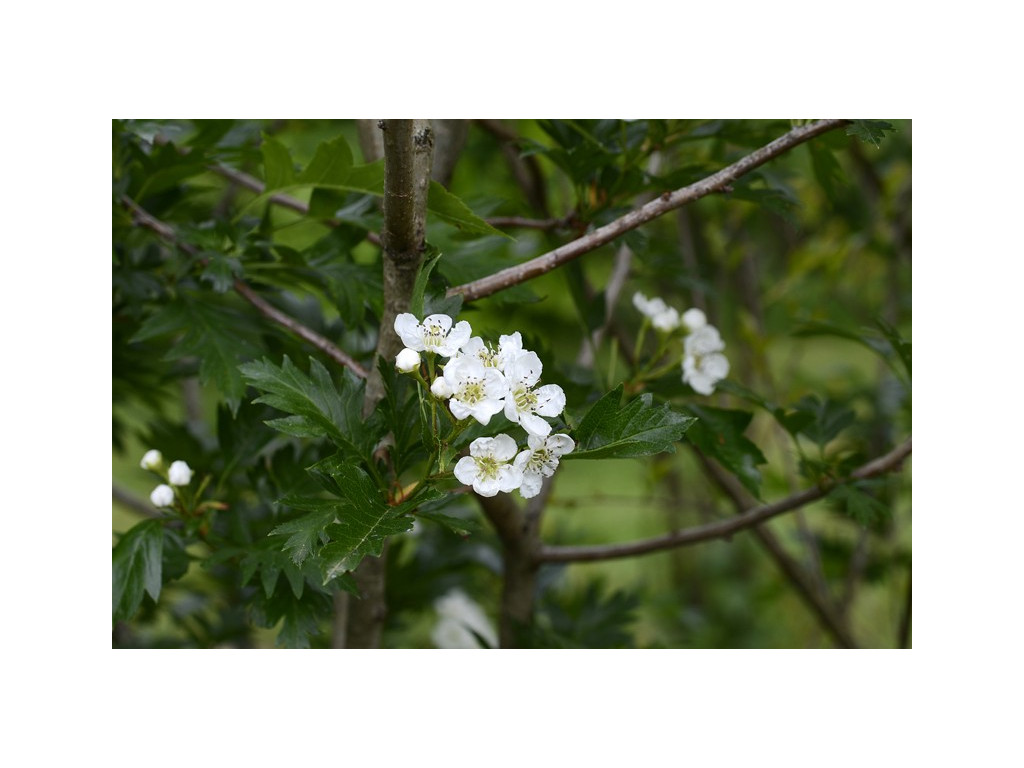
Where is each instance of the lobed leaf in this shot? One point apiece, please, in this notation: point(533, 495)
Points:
point(609, 431)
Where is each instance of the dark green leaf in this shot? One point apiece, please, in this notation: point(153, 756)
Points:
point(451, 209)
point(221, 272)
point(331, 164)
point(860, 505)
point(870, 131)
point(307, 533)
point(718, 434)
point(827, 419)
point(137, 564)
point(637, 429)
point(430, 259)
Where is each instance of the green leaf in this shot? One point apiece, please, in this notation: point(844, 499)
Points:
point(886, 345)
point(639, 428)
point(308, 532)
point(331, 164)
point(860, 505)
point(278, 169)
point(214, 334)
point(869, 131)
point(221, 272)
point(718, 434)
point(451, 209)
point(901, 347)
point(430, 259)
point(137, 564)
point(364, 523)
point(827, 419)
point(318, 408)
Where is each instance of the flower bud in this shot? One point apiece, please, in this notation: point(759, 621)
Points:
point(162, 496)
point(152, 460)
point(441, 389)
point(179, 473)
point(694, 319)
point(407, 361)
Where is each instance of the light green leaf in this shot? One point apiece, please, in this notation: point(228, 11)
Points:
point(278, 169)
point(331, 164)
point(451, 209)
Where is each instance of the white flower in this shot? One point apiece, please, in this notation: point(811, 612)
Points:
point(179, 473)
point(509, 348)
point(152, 460)
point(540, 460)
point(434, 334)
point(703, 364)
point(162, 496)
point(459, 617)
point(486, 354)
point(407, 361)
point(476, 390)
point(441, 389)
point(487, 468)
point(662, 316)
point(694, 319)
point(523, 403)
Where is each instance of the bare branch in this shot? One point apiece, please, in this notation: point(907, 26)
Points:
point(145, 219)
point(134, 503)
point(722, 528)
point(669, 201)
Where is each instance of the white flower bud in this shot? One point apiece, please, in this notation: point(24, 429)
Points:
point(407, 361)
point(694, 319)
point(441, 389)
point(179, 473)
point(152, 460)
point(162, 496)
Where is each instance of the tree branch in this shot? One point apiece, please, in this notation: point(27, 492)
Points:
point(722, 528)
point(668, 201)
point(134, 503)
point(142, 218)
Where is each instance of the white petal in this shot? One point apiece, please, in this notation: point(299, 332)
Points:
point(560, 444)
point(487, 486)
point(694, 319)
point(442, 320)
point(466, 471)
point(524, 457)
point(503, 448)
point(666, 321)
point(457, 337)
point(481, 446)
point(550, 400)
point(483, 410)
point(704, 341)
point(460, 410)
point(525, 369)
point(716, 366)
point(531, 485)
point(509, 478)
point(702, 384)
point(534, 424)
point(409, 331)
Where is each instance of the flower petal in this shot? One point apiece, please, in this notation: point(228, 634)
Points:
point(550, 400)
point(466, 471)
point(503, 447)
point(534, 424)
point(409, 331)
point(560, 444)
point(531, 484)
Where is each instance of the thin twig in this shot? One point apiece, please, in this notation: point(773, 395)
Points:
point(134, 503)
point(145, 219)
point(722, 528)
point(669, 201)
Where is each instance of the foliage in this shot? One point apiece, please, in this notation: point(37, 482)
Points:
point(791, 368)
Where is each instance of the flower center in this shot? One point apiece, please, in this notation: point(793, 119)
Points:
point(433, 336)
point(542, 458)
point(525, 399)
point(486, 466)
point(472, 391)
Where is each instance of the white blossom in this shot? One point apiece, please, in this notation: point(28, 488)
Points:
point(704, 365)
point(485, 353)
point(509, 348)
point(487, 468)
point(407, 361)
point(440, 388)
point(662, 316)
point(459, 616)
point(477, 390)
point(152, 460)
point(540, 460)
point(524, 404)
point(694, 319)
point(434, 334)
point(162, 496)
point(179, 473)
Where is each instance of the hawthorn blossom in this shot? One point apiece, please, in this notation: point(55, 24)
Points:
point(152, 460)
point(485, 353)
point(509, 348)
point(476, 390)
point(440, 388)
point(703, 364)
point(435, 334)
point(179, 473)
point(162, 496)
point(407, 361)
point(524, 404)
point(487, 468)
point(459, 617)
point(540, 460)
point(662, 316)
point(694, 319)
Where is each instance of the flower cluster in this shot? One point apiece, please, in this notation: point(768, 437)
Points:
point(480, 380)
point(703, 363)
point(178, 473)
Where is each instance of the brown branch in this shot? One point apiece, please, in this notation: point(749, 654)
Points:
point(722, 528)
point(145, 219)
point(806, 587)
point(666, 202)
point(134, 503)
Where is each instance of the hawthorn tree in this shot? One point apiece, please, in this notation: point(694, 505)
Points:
point(424, 396)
